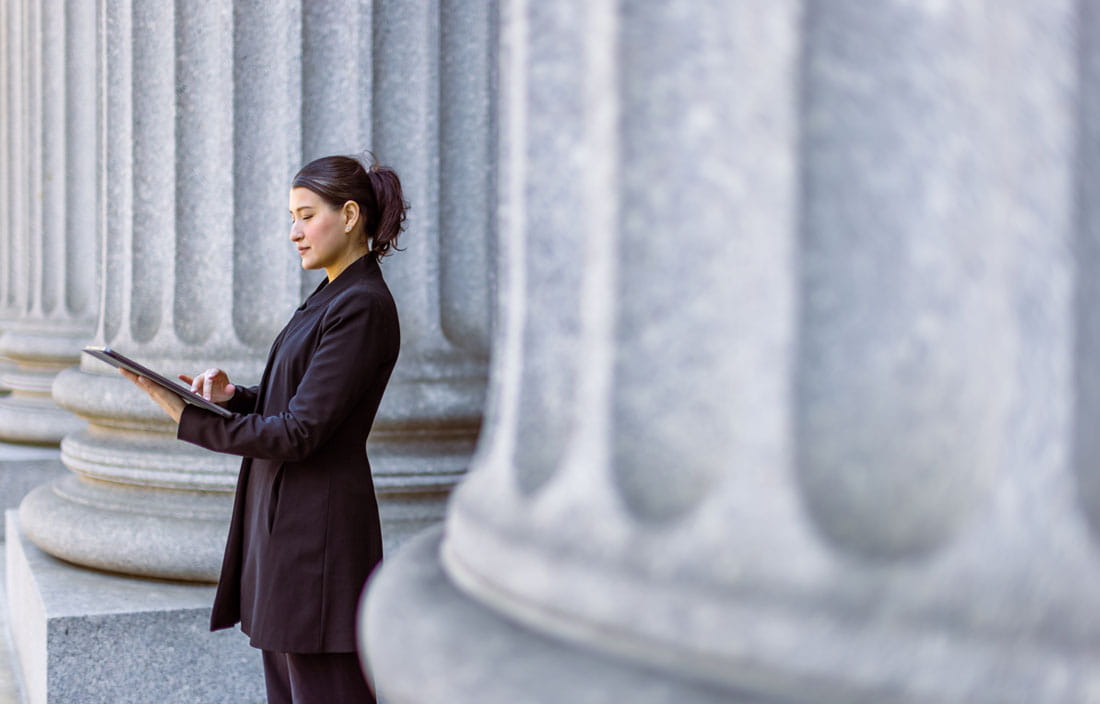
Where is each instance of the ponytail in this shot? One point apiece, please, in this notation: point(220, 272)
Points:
point(391, 209)
point(375, 188)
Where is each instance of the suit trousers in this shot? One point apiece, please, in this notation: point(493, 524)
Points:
point(315, 678)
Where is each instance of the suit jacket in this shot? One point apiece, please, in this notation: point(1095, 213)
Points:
point(305, 532)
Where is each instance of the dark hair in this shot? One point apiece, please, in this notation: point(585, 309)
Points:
point(377, 190)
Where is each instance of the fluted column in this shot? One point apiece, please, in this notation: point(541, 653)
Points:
point(51, 257)
point(804, 414)
point(9, 100)
point(197, 272)
point(200, 143)
point(7, 171)
point(645, 378)
point(423, 71)
point(13, 192)
point(431, 119)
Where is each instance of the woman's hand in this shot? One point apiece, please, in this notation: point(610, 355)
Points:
point(213, 385)
point(171, 403)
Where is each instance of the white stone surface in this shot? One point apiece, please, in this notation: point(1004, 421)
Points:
point(10, 683)
point(49, 264)
point(432, 120)
point(467, 652)
point(94, 637)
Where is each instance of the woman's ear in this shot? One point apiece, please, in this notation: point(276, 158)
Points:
point(351, 215)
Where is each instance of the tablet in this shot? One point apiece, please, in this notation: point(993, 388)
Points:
point(115, 359)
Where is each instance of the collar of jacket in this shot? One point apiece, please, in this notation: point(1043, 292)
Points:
point(365, 265)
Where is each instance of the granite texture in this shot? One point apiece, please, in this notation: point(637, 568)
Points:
point(794, 391)
point(145, 532)
point(49, 264)
point(431, 96)
point(11, 691)
point(155, 632)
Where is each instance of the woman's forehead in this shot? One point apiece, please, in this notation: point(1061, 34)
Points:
point(301, 197)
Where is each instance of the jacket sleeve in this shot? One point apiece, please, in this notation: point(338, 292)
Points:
point(244, 399)
point(348, 358)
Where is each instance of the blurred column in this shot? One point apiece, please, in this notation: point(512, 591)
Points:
point(644, 382)
point(200, 144)
point(797, 413)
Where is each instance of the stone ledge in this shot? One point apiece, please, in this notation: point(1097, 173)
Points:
point(86, 636)
point(425, 641)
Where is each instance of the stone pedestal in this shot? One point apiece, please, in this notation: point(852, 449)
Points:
point(93, 637)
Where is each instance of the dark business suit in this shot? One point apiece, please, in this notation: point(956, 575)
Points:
point(305, 531)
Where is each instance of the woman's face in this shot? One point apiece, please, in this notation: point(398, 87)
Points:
point(320, 232)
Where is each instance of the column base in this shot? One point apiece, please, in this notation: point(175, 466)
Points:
point(129, 530)
point(425, 641)
point(86, 636)
point(407, 514)
point(24, 467)
point(35, 420)
point(414, 474)
point(29, 414)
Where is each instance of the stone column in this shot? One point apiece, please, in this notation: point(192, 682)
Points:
point(802, 413)
point(205, 110)
point(7, 168)
point(13, 156)
point(197, 272)
point(50, 258)
point(188, 285)
point(423, 70)
point(430, 117)
point(48, 230)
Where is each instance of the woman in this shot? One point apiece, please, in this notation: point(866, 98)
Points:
point(305, 532)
